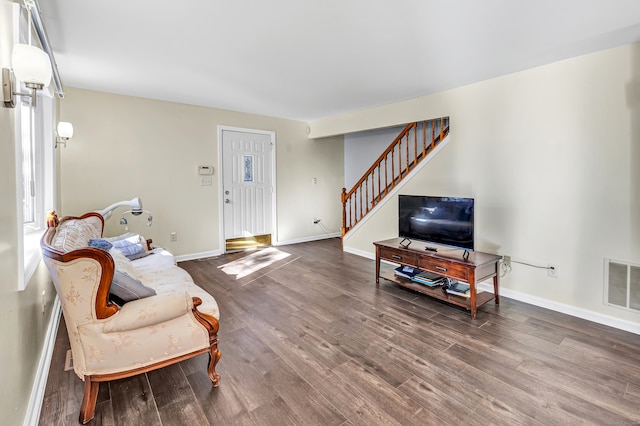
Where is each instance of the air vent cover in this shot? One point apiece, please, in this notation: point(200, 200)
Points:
point(622, 284)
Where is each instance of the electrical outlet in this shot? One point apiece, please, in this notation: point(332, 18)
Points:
point(206, 181)
point(552, 271)
point(173, 237)
point(316, 221)
point(506, 260)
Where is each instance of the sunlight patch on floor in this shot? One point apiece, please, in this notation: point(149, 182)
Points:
point(253, 262)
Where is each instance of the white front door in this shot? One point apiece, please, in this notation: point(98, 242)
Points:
point(247, 183)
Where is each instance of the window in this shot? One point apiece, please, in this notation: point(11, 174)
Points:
point(34, 167)
point(35, 163)
point(35, 179)
point(29, 169)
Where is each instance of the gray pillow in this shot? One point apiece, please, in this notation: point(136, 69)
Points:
point(126, 288)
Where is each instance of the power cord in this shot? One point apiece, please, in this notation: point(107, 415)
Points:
point(323, 228)
point(506, 266)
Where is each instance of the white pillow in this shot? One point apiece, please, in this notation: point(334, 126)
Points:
point(132, 247)
point(120, 237)
point(73, 234)
point(123, 264)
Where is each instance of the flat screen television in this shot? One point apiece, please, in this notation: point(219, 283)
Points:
point(439, 220)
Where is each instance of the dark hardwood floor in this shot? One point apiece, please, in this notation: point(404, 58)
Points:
point(307, 338)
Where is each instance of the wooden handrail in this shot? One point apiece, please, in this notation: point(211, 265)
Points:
point(365, 194)
point(382, 156)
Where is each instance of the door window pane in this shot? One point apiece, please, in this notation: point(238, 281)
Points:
point(248, 168)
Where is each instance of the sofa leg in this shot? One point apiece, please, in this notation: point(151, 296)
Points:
point(214, 356)
point(88, 408)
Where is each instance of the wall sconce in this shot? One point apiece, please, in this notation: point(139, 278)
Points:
point(31, 66)
point(65, 132)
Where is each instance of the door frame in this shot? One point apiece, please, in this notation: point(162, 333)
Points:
point(274, 225)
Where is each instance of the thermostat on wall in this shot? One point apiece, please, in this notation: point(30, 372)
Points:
point(205, 170)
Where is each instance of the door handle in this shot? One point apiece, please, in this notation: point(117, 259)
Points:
point(227, 201)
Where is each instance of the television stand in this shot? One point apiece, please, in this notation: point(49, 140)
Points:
point(470, 268)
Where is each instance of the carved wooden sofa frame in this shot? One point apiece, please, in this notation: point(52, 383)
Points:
point(104, 310)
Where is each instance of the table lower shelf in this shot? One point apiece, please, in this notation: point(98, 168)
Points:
point(482, 297)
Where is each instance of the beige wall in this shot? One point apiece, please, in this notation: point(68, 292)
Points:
point(22, 323)
point(552, 157)
point(125, 147)
point(550, 154)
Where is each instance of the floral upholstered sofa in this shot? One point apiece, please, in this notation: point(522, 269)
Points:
point(158, 317)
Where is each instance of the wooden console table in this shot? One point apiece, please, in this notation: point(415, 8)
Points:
point(447, 262)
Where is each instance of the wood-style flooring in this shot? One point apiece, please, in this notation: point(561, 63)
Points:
point(308, 338)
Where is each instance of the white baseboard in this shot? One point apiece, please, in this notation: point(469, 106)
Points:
point(360, 253)
point(307, 239)
point(42, 373)
point(196, 256)
point(205, 254)
point(630, 326)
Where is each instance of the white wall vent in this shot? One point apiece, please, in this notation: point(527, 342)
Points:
point(622, 284)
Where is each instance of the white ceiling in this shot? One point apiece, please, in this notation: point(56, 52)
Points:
point(310, 59)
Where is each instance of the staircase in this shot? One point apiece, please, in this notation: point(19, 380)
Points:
point(414, 143)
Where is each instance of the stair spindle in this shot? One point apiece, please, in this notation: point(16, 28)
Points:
point(354, 211)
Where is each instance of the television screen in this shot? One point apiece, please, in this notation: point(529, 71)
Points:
point(439, 220)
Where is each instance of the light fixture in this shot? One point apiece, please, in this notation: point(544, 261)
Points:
point(135, 205)
point(65, 132)
point(136, 210)
point(123, 220)
point(31, 66)
point(33, 10)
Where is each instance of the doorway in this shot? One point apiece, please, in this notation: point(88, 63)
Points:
point(247, 187)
